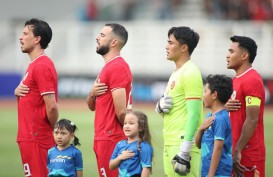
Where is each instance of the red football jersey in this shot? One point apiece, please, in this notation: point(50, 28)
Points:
point(115, 74)
point(249, 83)
point(33, 124)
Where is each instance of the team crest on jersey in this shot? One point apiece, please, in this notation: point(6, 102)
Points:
point(172, 85)
point(25, 77)
point(233, 96)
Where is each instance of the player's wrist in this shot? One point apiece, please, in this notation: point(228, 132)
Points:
point(186, 146)
point(237, 150)
point(120, 158)
point(92, 97)
point(201, 129)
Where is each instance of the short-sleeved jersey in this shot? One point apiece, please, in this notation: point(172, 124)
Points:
point(64, 162)
point(184, 84)
point(220, 129)
point(115, 74)
point(248, 83)
point(134, 165)
point(33, 123)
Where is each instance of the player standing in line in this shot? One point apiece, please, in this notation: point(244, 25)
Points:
point(110, 96)
point(65, 159)
point(214, 135)
point(181, 106)
point(37, 99)
point(246, 108)
point(133, 156)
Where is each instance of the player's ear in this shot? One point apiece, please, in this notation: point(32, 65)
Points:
point(184, 48)
point(72, 135)
point(114, 42)
point(215, 95)
point(38, 39)
point(245, 55)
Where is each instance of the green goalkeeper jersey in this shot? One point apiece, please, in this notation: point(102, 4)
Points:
point(185, 84)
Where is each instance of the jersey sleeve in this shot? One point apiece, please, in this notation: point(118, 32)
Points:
point(116, 151)
point(43, 76)
point(193, 84)
point(220, 127)
point(118, 78)
point(78, 160)
point(252, 87)
point(48, 158)
point(146, 154)
point(194, 115)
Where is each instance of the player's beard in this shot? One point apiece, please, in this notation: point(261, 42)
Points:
point(103, 49)
point(26, 50)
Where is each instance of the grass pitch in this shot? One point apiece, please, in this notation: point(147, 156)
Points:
point(77, 111)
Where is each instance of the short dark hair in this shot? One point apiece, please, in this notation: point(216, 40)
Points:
point(222, 84)
point(248, 44)
point(42, 29)
point(120, 31)
point(185, 35)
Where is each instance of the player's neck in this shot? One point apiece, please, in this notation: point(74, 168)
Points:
point(179, 63)
point(35, 54)
point(132, 139)
point(217, 107)
point(242, 69)
point(62, 147)
point(110, 55)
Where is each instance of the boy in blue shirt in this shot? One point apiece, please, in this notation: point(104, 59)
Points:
point(214, 135)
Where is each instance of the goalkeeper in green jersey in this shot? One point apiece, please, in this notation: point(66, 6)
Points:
point(182, 106)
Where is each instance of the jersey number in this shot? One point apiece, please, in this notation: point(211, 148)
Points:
point(130, 101)
point(103, 172)
point(27, 169)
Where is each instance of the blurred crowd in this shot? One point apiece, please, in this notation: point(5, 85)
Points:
point(166, 9)
point(127, 9)
point(239, 9)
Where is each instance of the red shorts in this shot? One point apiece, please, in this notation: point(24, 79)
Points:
point(103, 150)
point(34, 159)
point(253, 168)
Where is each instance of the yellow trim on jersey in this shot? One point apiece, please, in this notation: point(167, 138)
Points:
point(252, 101)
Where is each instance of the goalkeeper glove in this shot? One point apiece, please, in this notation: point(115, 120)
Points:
point(164, 104)
point(181, 161)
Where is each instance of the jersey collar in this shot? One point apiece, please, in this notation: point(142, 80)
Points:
point(37, 57)
point(244, 72)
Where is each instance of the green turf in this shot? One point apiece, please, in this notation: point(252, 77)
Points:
point(10, 161)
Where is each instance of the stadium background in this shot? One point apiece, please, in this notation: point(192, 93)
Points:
point(75, 25)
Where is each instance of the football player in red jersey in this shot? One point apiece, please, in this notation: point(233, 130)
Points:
point(246, 108)
point(37, 99)
point(110, 96)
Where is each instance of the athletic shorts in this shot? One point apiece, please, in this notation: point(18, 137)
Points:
point(103, 150)
point(34, 159)
point(168, 154)
point(253, 168)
